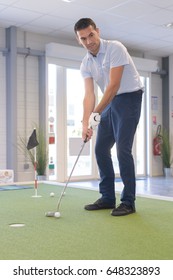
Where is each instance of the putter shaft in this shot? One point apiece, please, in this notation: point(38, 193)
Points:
point(63, 191)
point(52, 214)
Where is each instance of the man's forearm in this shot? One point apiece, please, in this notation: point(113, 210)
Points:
point(106, 99)
point(88, 107)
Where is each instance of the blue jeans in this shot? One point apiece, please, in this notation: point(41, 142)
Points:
point(118, 124)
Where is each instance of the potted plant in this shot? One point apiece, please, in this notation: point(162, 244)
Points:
point(166, 152)
point(38, 156)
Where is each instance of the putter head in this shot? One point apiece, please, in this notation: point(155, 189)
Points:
point(50, 214)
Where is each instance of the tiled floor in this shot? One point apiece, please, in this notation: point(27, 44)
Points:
point(158, 187)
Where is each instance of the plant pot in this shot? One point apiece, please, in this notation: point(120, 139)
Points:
point(41, 177)
point(167, 172)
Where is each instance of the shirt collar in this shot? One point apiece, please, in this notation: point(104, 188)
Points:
point(101, 50)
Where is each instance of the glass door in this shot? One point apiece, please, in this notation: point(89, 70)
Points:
point(65, 110)
point(140, 146)
point(75, 95)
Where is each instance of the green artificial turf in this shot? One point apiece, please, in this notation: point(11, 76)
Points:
point(80, 234)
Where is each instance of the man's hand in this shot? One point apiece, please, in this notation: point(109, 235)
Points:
point(94, 120)
point(87, 133)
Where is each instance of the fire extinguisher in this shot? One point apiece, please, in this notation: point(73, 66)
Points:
point(157, 142)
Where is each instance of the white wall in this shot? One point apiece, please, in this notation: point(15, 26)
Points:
point(171, 100)
point(2, 103)
point(2, 113)
point(156, 115)
point(27, 106)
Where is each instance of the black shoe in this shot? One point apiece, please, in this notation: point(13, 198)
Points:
point(123, 210)
point(98, 205)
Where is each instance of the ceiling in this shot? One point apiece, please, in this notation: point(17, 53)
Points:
point(139, 24)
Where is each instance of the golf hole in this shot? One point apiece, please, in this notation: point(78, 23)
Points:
point(17, 225)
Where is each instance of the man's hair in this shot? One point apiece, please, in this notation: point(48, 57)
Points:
point(84, 23)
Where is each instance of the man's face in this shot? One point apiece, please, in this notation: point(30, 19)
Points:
point(89, 38)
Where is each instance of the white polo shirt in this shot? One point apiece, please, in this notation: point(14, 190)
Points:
point(111, 54)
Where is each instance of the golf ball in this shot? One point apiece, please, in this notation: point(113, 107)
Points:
point(52, 194)
point(57, 215)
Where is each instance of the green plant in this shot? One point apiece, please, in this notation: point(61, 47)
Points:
point(166, 150)
point(41, 151)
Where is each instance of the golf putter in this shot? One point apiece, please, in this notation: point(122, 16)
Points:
point(53, 214)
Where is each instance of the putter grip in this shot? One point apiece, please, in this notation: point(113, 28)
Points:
point(85, 140)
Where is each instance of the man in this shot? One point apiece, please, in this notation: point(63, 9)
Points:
point(117, 114)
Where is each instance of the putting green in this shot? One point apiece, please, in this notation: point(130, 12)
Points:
point(80, 234)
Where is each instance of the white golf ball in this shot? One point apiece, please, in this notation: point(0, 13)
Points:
point(52, 194)
point(57, 215)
